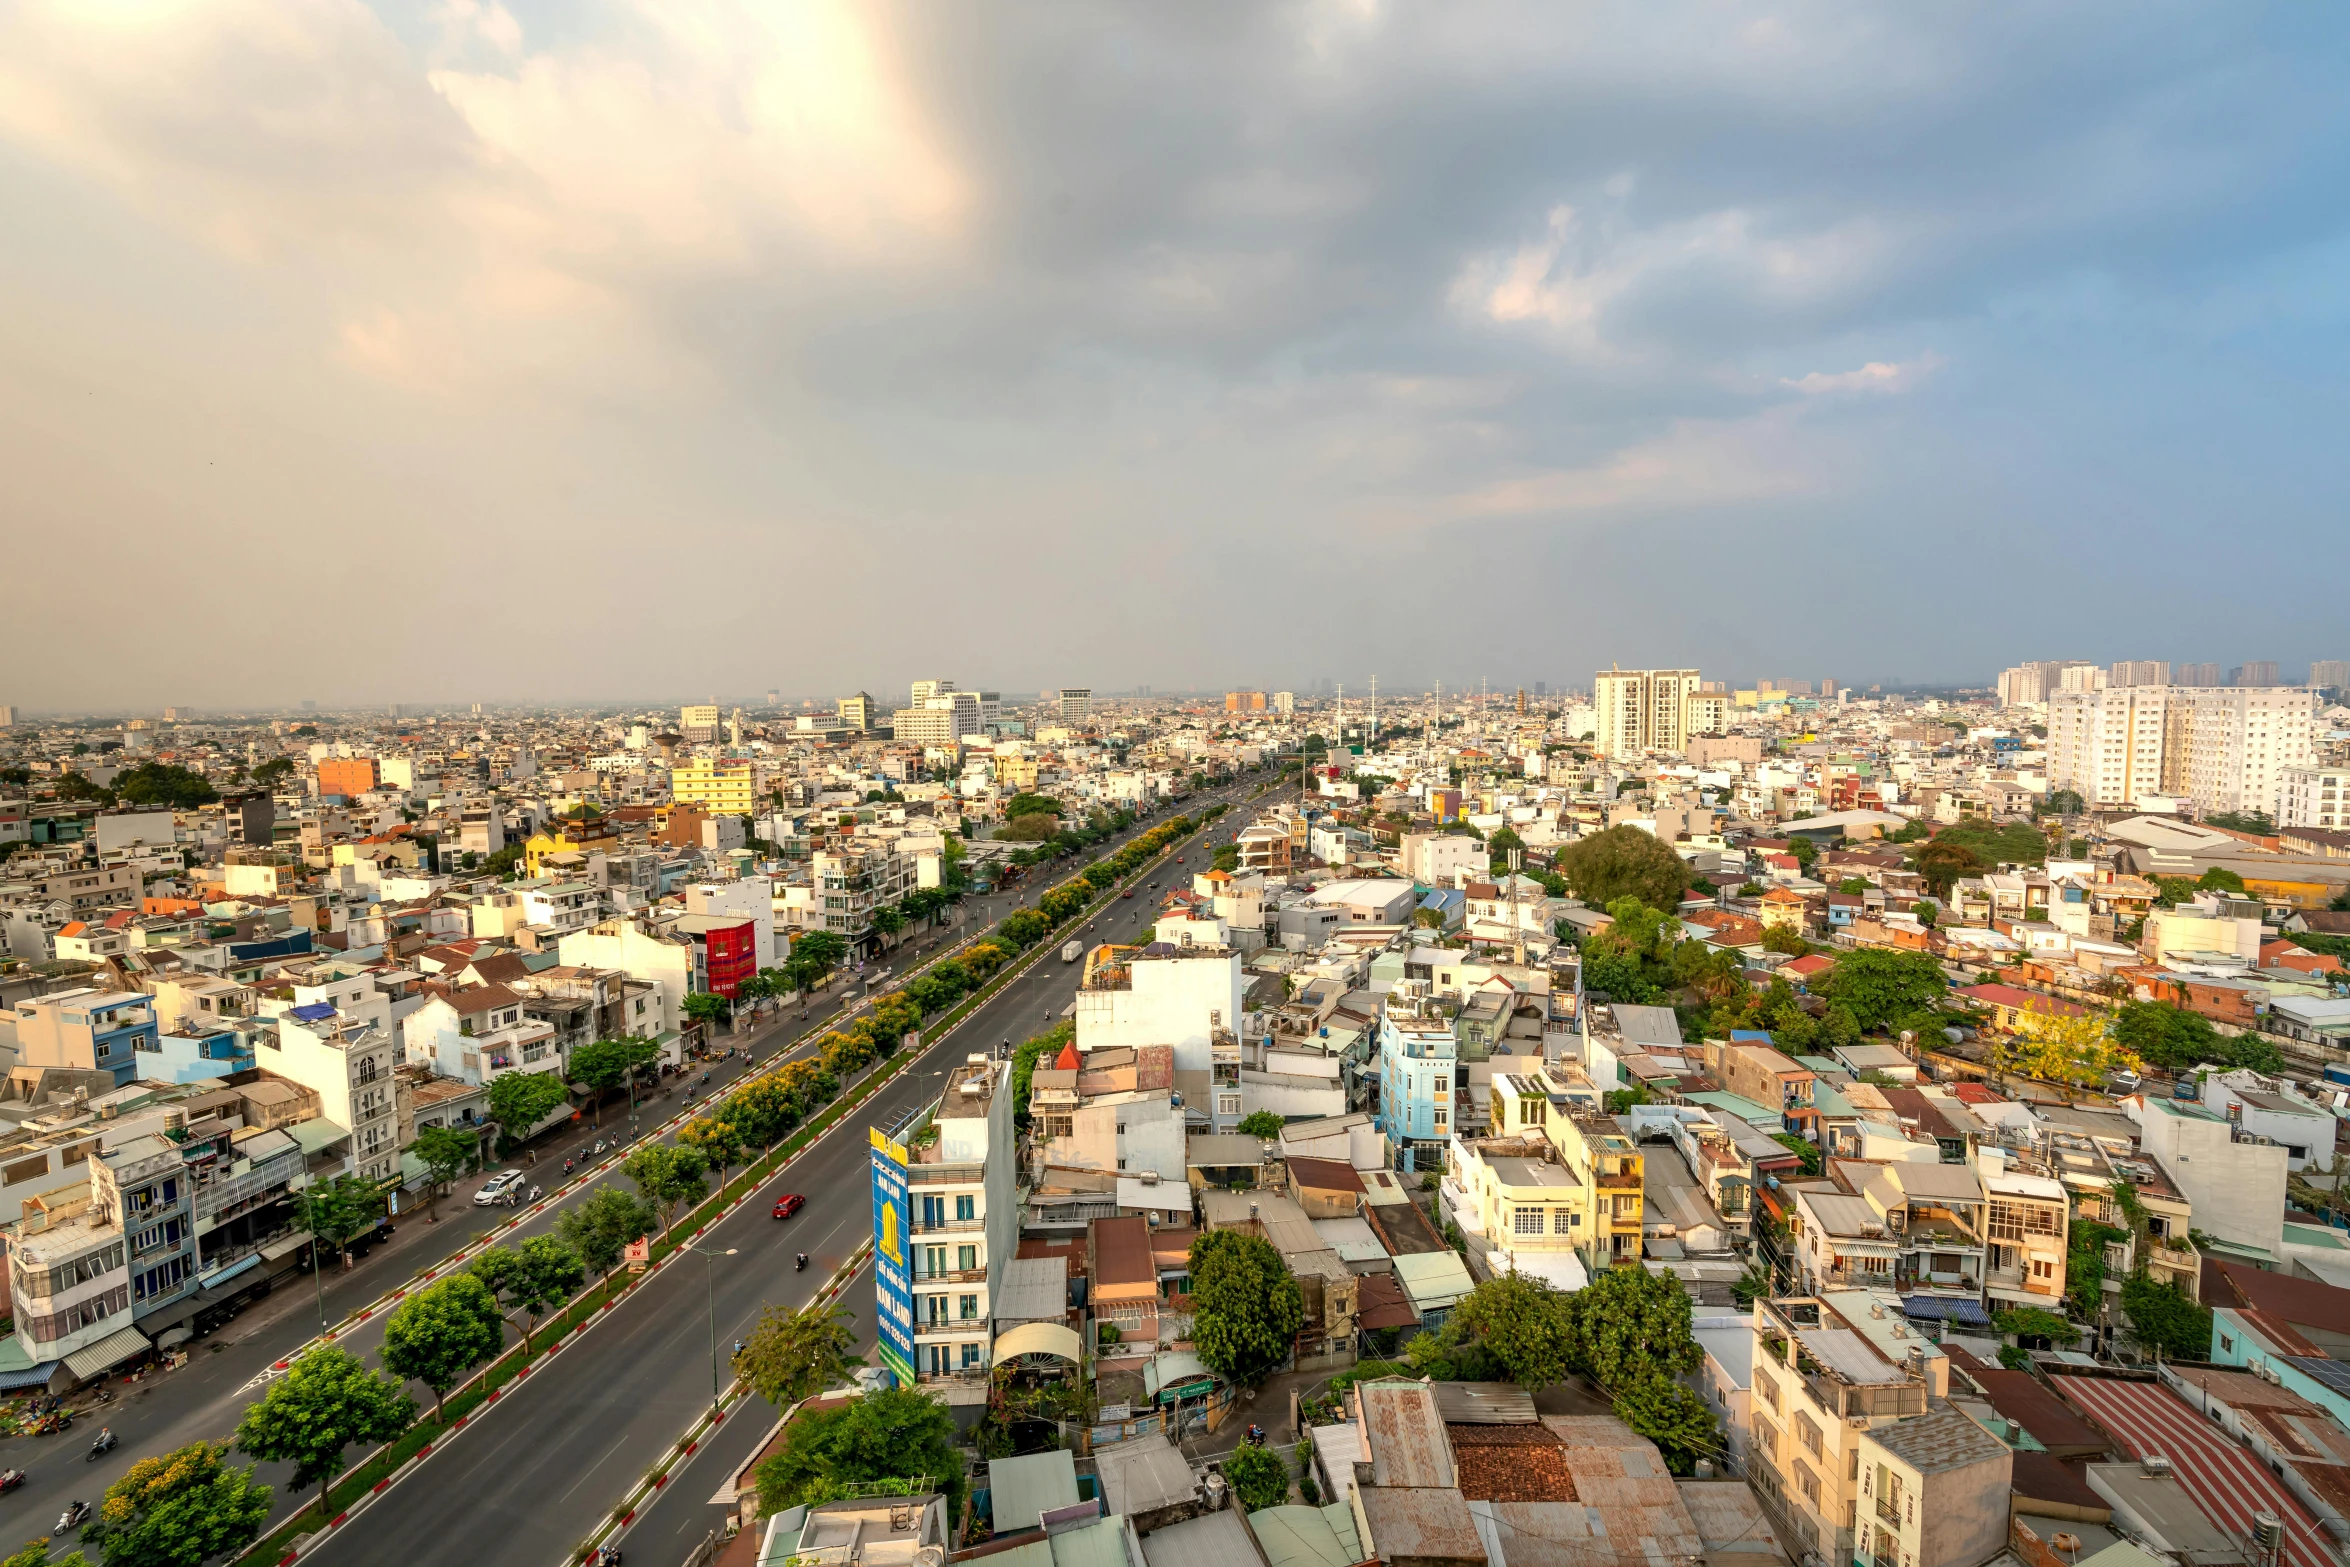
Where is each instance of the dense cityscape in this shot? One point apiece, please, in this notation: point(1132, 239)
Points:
point(1181, 1115)
point(1329, 783)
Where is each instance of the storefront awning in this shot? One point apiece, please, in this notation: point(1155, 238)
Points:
point(108, 1352)
point(1955, 1310)
point(1037, 1338)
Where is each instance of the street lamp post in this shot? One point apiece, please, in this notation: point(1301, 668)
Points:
point(710, 1281)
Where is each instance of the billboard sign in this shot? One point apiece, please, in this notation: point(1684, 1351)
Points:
point(893, 1258)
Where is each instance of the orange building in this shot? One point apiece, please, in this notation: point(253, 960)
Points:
point(1244, 701)
point(346, 775)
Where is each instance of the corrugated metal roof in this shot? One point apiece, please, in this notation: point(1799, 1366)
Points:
point(1217, 1539)
point(1484, 1403)
point(1034, 1289)
point(1144, 1475)
point(1405, 1434)
point(1023, 1489)
point(1293, 1536)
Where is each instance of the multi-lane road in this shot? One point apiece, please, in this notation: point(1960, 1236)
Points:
point(657, 1343)
point(530, 1481)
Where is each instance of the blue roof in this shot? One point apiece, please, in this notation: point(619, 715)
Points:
point(315, 1012)
point(1746, 1036)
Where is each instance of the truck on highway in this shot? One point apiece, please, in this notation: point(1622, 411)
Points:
point(1071, 951)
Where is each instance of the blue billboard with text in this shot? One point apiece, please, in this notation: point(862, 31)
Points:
point(893, 1259)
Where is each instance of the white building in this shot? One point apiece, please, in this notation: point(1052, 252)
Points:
point(2224, 748)
point(2235, 1185)
point(1184, 999)
point(2312, 796)
point(347, 1061)
point(964, 1217)
point(1643, 709)
point(665, 960)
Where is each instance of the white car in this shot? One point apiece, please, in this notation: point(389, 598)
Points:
point(503, 1189)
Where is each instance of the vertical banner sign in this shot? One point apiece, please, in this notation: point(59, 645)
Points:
point(893, 1259)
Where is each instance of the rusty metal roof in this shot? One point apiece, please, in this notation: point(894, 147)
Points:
point(1405, 1435)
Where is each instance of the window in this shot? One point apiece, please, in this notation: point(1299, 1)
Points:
point(967, 1307)
point(1526, 1221)
point(970, 1357)
point(1768, 1389)
point(1808, 1431)
point(966, 1257)
point(966, 1208)
point(1561, 1220)
point(1808, 1483)
point(2042, 1268)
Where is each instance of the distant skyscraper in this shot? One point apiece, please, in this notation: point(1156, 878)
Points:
point(2198, 675)
point(2331, 673)
point(1542, 688)
point(2139, 672)
point(857, 711)
point(7, 716)
point(1828, 686)
point(1521, 701)
point(1285, 702)
point(1244, 701)
point(2258, 672)
point(924, 690)
point(774, 697)
point(1076, 704)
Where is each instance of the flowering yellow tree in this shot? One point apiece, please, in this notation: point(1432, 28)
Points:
point(2072, 1046)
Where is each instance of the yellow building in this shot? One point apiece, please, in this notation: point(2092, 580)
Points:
point(585, 835)
point(1556, 1176)
point(721, 785)
point(1019, 772)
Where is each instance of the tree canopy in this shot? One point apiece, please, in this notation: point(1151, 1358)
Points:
point(2174, 1040)
point(791, 1355)
point(162, 784)
point(312, 1416)
point(439, 1334)
point(1258, 1478)
point(1246, 1308)
point(179, 1510)
point(600, 1227)
point(1880, 986)
point(900, 1433)
point(1624, 862)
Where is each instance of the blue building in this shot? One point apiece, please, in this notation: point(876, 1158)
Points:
point(88, 1030)
point(190, 1058)
point(1420, 1075)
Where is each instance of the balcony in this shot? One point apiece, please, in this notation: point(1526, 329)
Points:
point(952, 1276)
point(946, 1226)
point(946, 1174)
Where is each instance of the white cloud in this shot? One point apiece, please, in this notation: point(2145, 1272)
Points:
point(1878, 375)
point(1697, 462)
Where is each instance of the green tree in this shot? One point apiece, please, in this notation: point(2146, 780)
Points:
point(519, 1101)
point(708, 1009)
point(310, 1417)
point(900, 1433)
point(667, 1176)
point(535, 1277)
point(1524, 1323)
point(793, 1355)
point(336, 1211)
point(1246, 1309)
point(2033, 1322)
point(1943, 865)
point(1261, 1123)
point(1878, 985)
point(1803, 1148)
point(36, 1554)
point(161, 784)
point(446, 1153)
point(600, 1227)
point(1624, 862)
point(1671, 1415)
point(179, 1510)
point(606, 1064)
point(1628, 1323)
point(2164, 1318)
point(824, 948)
point(1031, 805)
point(1258, 1479)
point(442, 1332)
point(1853, 886)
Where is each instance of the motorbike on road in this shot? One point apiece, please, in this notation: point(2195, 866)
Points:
point(74, 1516)
point(100, 1445)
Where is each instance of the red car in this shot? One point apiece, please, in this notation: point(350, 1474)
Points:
point(785, 1207)
point(1128, 893)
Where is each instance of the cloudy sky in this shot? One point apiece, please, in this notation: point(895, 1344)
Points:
point(479, 351)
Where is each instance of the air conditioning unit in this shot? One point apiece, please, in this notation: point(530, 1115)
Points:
point(2154, 1467)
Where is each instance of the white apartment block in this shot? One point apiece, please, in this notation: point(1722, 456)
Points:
point(2313, 796)
point(347, 1061)
point(2223, 748)
point(965, 1219)
point(940, 720)
point(1643, 709)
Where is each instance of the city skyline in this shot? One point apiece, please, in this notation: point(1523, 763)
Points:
point(497, 324)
